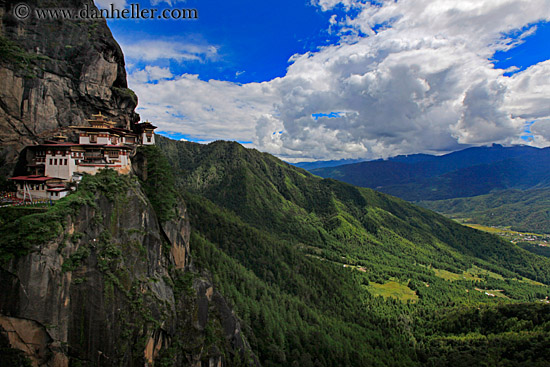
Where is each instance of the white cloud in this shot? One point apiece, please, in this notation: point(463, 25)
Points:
point(169, 2)
point(422, 83)
point(540, 130)
point(529, 92)
point(205, 110)
point(529, 99)
point(151, 74)
point(154, 50)
point(483, 118)
point(330, 4)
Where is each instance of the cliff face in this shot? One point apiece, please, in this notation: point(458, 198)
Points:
point(56, 73)
point(96, 280)
point(112, 287)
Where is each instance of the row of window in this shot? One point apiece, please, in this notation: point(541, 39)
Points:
point(114, 140)
point(62, 162)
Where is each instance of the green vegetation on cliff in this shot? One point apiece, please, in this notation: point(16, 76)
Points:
point(158, 182)
point(13, 55)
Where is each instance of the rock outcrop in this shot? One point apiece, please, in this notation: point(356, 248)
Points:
point(56, 73)
point(116, 288)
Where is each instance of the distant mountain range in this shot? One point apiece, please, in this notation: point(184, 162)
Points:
point(465, 173)
point(323, 164)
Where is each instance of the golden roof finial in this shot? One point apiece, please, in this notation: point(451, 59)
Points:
point(97, 117)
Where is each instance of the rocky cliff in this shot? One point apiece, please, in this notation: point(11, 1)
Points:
point(56, 73)
point(104, 277)
point(97, 280)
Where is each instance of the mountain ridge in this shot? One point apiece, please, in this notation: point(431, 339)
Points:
point(470, 172)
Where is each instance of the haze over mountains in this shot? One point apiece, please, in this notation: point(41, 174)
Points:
point(469, 172)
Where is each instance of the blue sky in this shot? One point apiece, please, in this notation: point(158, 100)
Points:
point(330, 79)
point(254, 39)
point(534, 49)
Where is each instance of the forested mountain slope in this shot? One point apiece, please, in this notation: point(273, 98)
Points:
point(304, 260)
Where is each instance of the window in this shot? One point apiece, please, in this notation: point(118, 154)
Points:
point(93, 138)
point(51, 162)
point(55, 162)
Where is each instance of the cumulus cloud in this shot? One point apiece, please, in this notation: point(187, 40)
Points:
point(422, 83)
point(151, 74)
point(540, 130)
point(412, 76)
point(207, 110)
point(529, 92)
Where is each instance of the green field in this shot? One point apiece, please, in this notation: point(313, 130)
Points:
point(393, 289)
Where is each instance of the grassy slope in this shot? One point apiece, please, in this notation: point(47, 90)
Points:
point(526, 211)
point(277, 237)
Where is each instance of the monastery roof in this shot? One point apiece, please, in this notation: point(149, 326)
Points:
point(57, 145)
point(57, 189)
point(55, 185)
point(91, 127)
point(33, 178)
point(145, 125)
point(103, 146)
point(117, 146)
point(120, 130)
